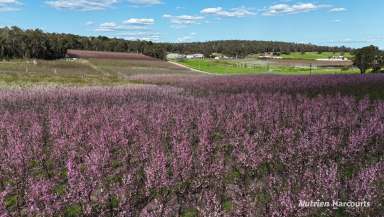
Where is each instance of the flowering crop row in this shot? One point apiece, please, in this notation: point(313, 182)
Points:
point(153, 151)
point(356, 85)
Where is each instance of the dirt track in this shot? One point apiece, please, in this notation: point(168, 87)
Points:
point(192, 69)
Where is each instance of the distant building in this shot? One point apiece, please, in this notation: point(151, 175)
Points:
point(335, 58)
point(175, 56)
point(270, 55)
point(195, 56)
point(218, 56)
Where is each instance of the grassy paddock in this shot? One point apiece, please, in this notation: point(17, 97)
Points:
point(79, 73)
point(226, 67)
point(56, 72)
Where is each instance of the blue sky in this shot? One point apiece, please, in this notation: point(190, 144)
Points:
point(353, 23)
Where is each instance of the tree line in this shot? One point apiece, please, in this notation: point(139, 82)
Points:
point(18, 43)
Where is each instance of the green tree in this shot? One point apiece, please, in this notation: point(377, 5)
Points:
point(367, 58)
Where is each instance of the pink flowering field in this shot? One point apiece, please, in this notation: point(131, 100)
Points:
point(194, 146)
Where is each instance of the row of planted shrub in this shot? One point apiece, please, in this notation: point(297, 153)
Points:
point(155, 152)
point(349, 85)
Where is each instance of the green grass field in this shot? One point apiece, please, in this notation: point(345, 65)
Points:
point(313, 55)
point(227, 67)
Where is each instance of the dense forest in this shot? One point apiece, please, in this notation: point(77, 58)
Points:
point(18, 43)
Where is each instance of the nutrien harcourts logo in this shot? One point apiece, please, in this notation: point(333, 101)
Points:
point(334, 204)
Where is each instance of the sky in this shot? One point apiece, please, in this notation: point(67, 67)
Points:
point(352, 23)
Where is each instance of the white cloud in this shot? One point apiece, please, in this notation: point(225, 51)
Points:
point(183, 19)
point(130, 24)
point(91, 5)
point(141, 35)
point(337, 10)
point(145, 2)
point(140, 21)
point(368, 40)
point(349, 41)
point(234, 12)
point(113, 27)
point(108, 25)
point(283, 9)
point(8, 2)
point(82, 5)
point(9, 5)
point(131, 29)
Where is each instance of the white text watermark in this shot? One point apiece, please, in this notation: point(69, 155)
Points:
point(333, 204)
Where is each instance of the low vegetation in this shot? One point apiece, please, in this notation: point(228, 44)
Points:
point(212, 146)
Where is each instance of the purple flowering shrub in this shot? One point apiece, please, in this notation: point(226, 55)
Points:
point(158, 151)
